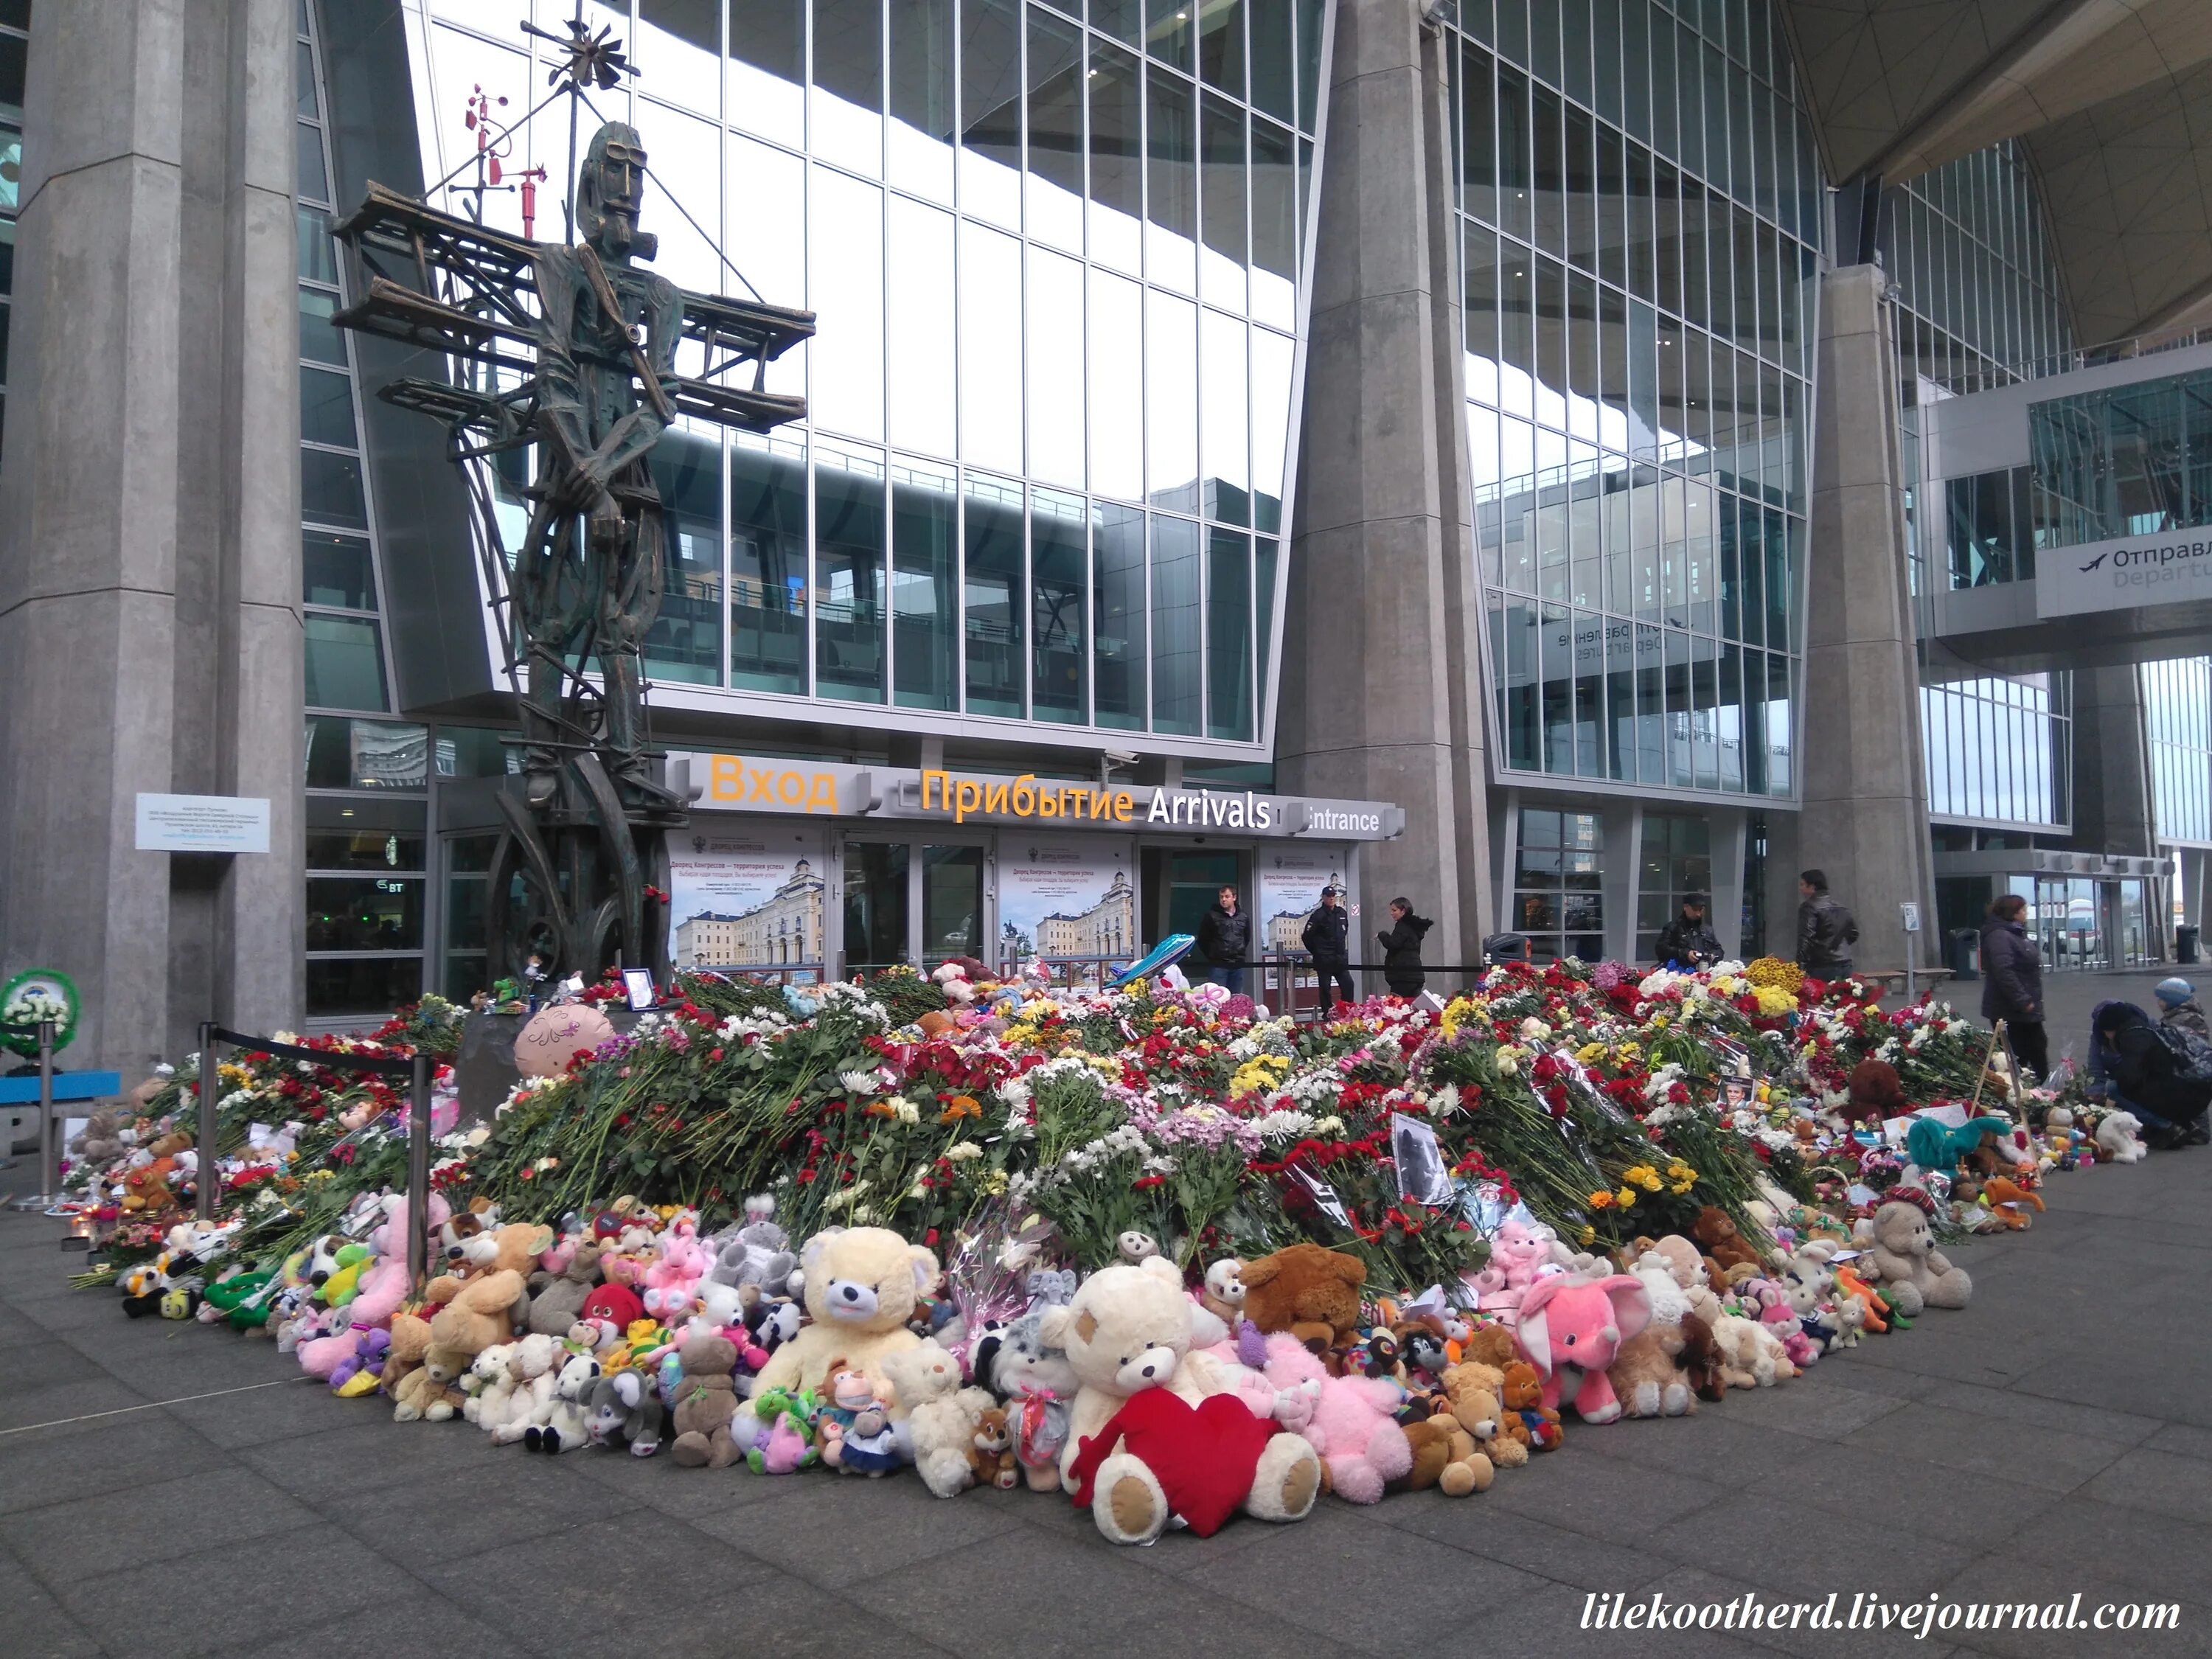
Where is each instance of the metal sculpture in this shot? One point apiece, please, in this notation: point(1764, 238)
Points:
point(573, 349)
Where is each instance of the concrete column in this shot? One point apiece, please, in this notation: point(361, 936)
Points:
point(1865, 815)
point(1382, 582)
point(2114, 809)
point(1623, 830)
point(149, 584)
point(1783, 865)
point(1728, 827)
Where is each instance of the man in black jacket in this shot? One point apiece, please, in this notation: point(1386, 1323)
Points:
point(1224, 940)
point(1825, 930)
point(2012, 982)
point(1688, 940)
point(1327, 937)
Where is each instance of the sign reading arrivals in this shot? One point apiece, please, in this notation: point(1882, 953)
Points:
point(741, 783)
point(202, 823)
point(2164, 567)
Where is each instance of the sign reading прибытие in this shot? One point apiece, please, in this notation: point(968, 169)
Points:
point(202, 823)
point(2163, 568)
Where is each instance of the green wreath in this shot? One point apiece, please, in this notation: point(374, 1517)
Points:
point(34, 994)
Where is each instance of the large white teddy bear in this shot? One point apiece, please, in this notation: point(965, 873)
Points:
point(862, 1284)
point(1129, 1329)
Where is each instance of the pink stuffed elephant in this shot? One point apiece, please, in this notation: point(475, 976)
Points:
point(1352, 1426)
point(1571, 1330)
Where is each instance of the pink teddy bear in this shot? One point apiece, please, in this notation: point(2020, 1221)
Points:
point(1351, 1425)
point(1775, 1313)
point(672, 1284)
point(1517, 1255)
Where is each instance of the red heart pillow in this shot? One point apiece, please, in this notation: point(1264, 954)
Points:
point(1204, 1456)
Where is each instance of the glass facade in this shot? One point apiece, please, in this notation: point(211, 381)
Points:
point(1980, 304)
point(1969, 257)
point(1558, 900)
point(2125, 460)
point(1641, 206)
point(1678, 860)
point(368, 805)
point(1999, 750)
point(15, 62)
point(1055, 259)
point(2176, 700)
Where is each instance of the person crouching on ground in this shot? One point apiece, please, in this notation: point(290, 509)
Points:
point(2135, 1069)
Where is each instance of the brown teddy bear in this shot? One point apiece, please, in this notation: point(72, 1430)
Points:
point(1646, 1373)
point(1701, 1359)
point(1527, 1418)
point(480, 1313)
point(1444, 1457)
point(1312, 1293)
point(1477, 1393)
point(991, 1452)
point(705, 1400)
point(1725, 1250)
point(426, 1390)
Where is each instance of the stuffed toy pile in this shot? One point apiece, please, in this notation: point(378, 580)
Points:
point(1148, 1252)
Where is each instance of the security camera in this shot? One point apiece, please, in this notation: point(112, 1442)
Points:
point(1118, 756)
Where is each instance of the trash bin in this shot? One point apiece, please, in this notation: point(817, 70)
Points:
point(2184, 943)
point(1966, 945)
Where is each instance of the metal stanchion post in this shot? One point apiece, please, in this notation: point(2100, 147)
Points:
point(418, 1175)
point(204, 1148)
point(45, 1194)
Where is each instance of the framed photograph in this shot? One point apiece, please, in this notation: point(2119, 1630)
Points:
point(638, 983)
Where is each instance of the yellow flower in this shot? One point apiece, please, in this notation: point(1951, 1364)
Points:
point(1589, 1235)
point(1627, 1197)
point(993, 1183)
point(1589, 1052)
point(1658, 1022)
point(1641, 1175)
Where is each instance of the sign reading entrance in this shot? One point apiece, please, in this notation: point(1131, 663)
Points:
point(202, 823)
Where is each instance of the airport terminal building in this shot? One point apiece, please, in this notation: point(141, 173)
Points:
point(1541, 457)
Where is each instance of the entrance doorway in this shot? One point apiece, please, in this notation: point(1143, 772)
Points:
point(916, 903)
point(1177, 888)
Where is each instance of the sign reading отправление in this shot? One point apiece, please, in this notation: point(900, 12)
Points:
point(202, 823)
point(2159, 568)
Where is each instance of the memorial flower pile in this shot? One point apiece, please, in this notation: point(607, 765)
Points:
point(762, 1222)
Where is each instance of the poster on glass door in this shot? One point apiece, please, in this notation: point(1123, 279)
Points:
point(1065, 897)
point(744, 898)
point(1290, 881)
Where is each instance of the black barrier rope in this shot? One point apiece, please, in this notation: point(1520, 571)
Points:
point(395, 1063)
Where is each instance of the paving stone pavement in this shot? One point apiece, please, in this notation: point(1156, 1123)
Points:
point(172, 1490)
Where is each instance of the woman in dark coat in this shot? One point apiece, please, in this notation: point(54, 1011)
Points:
point(2011, 981)
point(1402, 949)
point(2136, 1072)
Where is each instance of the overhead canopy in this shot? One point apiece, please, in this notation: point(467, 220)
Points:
point(2108, 97)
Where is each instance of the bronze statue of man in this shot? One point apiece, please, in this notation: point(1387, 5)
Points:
point(588, 578)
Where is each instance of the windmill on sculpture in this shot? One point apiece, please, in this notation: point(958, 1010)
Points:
point(571, 348)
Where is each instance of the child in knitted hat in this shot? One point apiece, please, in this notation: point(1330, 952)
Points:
point(2178, 1007)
